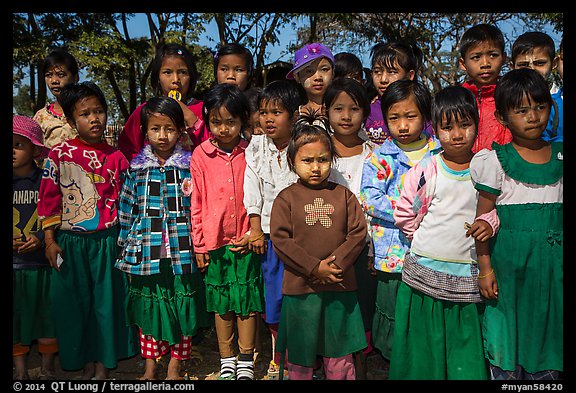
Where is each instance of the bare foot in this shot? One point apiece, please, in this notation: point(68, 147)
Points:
point(150, 370)
point(89, 370)
point(174, 370)
point(101, 372)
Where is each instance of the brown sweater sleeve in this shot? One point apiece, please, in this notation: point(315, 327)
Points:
point(349, 250)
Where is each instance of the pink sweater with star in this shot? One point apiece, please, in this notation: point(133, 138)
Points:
point(80, 186)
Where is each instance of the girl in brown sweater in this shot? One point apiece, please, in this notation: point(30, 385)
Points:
point(318, 231)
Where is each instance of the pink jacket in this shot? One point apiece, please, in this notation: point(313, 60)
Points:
point(217, 207)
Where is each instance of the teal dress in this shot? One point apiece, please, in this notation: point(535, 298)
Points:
point(524, 325)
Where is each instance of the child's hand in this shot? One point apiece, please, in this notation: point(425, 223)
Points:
point(488, 284)
point(257, 243)
point(371, 267)
point(32, 243)
point(328, 272)
point(52, 251)
point(202, 261)
point(240, 245)
point(479, 230)
point(17, 242)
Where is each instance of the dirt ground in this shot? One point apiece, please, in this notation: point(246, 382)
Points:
point(207, 369)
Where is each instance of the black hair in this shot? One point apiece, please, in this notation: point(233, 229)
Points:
point(346, 64)
point(527, 42)
point(230, 97)
point(284, 92)
point(351, 87)
point(166, 106)
point(408, 56)
point(60, 56)
point(173, 49)
point(307, 131)
point(234, 48)
point(74, 92)
point(454, 103)
point(517, 84)
point(480, 33)
point(401, 90)
point(253, 96)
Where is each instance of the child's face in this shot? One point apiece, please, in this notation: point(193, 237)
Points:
point(527, 121)
point(560, 60)
point(174, 75)
point(456, 137)
point(383, 76)
point(23, 151)
point(537, 60)
point(405, 121)
point(162, 134)
point(234, 70)
point(89, 119)
point(345, 115)
point(58, 76)
point(276, 121)
point(312, 163)
point(225, 128)
point(483, 63)
point(315, 77)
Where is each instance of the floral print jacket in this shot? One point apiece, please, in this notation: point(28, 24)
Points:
point(382, 182)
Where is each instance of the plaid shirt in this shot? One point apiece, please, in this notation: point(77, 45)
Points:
point(153, 205)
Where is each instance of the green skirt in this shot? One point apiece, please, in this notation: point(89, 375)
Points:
point(88, 302)
point(436, 339)
point(384, 316)
point(31, 305)
point(327, 324)
point(524, 326)
point(167, 306)
point(366, 289)
point(234, 282)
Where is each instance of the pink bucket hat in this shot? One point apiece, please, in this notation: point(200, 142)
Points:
point(308, 53)
point(29, 128)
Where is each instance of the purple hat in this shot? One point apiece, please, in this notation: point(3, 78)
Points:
point(29, 128)
point(308, 53)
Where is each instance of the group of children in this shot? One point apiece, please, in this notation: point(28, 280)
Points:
point(342, 219)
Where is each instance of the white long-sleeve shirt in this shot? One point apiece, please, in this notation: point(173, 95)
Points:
point(267, 173)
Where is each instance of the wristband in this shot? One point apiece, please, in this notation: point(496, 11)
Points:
point(492, 219)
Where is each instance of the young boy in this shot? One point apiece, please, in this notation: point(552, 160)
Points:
point(31, 308)
point(60, 68)
point(536, 50)
point(482, 56)
point(267, 173)
point(78, 208)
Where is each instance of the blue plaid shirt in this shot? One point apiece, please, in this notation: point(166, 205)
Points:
point(152, 204)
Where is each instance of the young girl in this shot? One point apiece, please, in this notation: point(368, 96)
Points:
point(164, 300)
point(268, 173)
point(313, 69)
point(347, 106)
point(390, 62)
point(59, 69)
point(437, 332)
point(406, 107)
point(220, 228)
point(348, 65)
point(318, 231)
point(521, 269)
point(31, 272)
point(77, 206)
point(172, 74)
point(234, 64)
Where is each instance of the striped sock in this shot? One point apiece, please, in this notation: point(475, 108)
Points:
point(227, 368)
point(245, 368)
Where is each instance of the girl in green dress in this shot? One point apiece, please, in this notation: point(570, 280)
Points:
point(521, 267)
